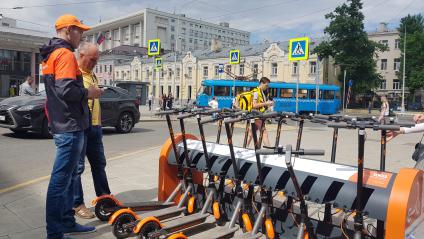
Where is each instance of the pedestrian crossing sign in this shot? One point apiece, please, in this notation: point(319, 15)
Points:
point(299, 49)
point(235, 57)
point(158, 63)
point(153, 47)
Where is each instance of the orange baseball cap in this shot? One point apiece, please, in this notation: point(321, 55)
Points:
point(69, 20)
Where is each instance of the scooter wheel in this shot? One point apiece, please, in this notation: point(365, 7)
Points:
point(220, 218)
point(118, 230)
point(247, 222)
point(269, 227)
point(99, 210)
point(191, 206)
point(148, 228)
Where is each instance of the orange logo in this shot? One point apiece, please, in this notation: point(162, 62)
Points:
point(374, 178)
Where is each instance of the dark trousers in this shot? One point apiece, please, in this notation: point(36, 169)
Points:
point(96, 157)
point(150, 104)
point(59, 203)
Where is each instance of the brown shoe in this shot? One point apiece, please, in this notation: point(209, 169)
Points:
point(83, 212)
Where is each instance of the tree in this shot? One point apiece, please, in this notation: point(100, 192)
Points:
point(414, 68)
point(350, 47)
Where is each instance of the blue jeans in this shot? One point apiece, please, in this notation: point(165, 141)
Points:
point(60, 200)
point(96, 157)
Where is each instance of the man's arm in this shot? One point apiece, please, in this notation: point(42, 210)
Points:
point(68, 88)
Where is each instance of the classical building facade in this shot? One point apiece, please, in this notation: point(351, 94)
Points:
point(388, 62)
point(182, 74)
point(176, 31)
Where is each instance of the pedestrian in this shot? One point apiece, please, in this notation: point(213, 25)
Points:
point(385, 109)
point(261, 103)
point(93, 143)
point(213, 103)
point(170, 100)
point(26, 87)
point(370, 106)
point(164, 101)
point(150, 98)
point(68, 115)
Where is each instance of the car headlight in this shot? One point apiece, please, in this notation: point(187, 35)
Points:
point(26, 107)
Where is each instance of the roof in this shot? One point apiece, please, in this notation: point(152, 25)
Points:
point(25, 32)
point(126, 50)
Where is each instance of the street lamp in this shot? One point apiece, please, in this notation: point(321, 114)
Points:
point(403, 77)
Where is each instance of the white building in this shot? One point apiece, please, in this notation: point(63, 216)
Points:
point(19, 54)
point(388, 62)
point(137, 28)
point(182, 74)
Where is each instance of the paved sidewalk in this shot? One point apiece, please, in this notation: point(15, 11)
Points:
point(133, 177)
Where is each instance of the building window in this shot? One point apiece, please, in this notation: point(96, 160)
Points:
point(97, 69)
point(169, 73)
point(189, 92)
point(255, 71)
point(241, 69)
point(100, 69)
point(190, 71)
point(216, 70)
point(172, 28)
point(397, 44)
point(383, 64)
point(136, 74)
point(205, 72)
point(396, 64)
point(396, 84)
point(274, 70)
point(147, 73)
point(385, 42)
point(117, 74)
point(105, 68)
point(295, 68)
point(313, 67)
point(383, 85)
point(178, 72)
point(110, 69)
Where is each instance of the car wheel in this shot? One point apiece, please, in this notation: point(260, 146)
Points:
point(125, 123)
point(45, 132)
point(19, 131)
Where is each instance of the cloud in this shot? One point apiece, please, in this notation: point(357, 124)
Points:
point(274, 20)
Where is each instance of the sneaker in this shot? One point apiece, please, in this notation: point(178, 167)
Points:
point(83, 212)
point(78, 229)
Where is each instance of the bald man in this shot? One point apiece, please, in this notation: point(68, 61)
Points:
point(93, 146)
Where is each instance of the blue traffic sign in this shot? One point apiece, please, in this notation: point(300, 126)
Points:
point(235, 57)
point(153, 47)
point(299, 49)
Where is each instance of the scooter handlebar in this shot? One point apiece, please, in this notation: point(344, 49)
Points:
point(387, 127)
point(283, 151)
point(338, 125)
point(170, 112)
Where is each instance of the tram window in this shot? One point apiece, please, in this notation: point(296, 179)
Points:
point(338, 95)
point(312, 94)
point(240, 89)
point(302, 94)
point(286, 93)
point(222, 91)
point(207, 90)
point(328, 95)
point(273, 93)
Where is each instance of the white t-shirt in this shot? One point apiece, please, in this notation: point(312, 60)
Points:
point(213, 104)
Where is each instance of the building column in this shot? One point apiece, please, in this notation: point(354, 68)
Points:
point(130, 31)
point(33, 64)
point(141, 34)
point(120, 36)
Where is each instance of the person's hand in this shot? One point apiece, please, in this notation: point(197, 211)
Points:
point(418, 118)
point(270, 103)
point(94, 92)
point(392, 134)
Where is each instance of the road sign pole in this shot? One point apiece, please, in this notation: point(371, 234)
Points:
point(297, 94)
point(344, 90)
point(317, 87)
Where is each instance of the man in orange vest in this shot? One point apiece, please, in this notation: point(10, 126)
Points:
point(68, 115)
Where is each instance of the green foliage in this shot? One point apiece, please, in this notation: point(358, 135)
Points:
point(350, 47)
point(414, 68)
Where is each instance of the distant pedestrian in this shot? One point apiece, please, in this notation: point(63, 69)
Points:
point(170, 100)
point(68, 115)
point(385, 108)
point(26, 87)
point(93, 143)
point(370, 106)
point(213, 103)
point(150, 101)
point(164, 102)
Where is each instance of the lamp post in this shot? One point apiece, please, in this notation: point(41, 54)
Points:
point(403, 73)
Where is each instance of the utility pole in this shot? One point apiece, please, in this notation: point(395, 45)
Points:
point(344, 90)
point(403, 77)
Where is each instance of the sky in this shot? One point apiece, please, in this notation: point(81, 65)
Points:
point(272, 20)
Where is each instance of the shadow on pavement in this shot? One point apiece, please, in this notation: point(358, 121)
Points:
point(112, 131)
point(26, 135)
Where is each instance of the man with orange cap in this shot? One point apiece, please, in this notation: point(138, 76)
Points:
point(68, 115)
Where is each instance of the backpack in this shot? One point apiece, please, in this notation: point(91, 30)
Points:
point(245, 100)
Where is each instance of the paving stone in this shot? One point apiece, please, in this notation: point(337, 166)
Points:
point(10, 223)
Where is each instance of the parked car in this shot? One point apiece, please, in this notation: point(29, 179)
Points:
point(26, 113)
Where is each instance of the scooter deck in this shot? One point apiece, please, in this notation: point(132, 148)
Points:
point(180, 224)
point(223, 232)
point(164, 213)
point(147, 206)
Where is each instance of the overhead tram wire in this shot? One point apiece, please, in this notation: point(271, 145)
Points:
point(57, 4)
